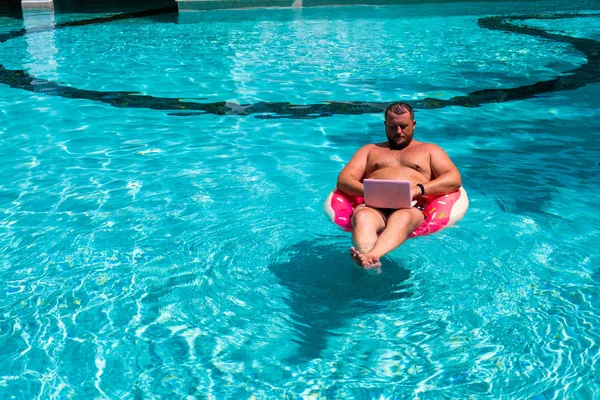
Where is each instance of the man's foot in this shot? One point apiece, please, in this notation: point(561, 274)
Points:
point(356, 256)
point(370, 261)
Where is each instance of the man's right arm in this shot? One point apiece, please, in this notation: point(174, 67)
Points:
point(350, 178)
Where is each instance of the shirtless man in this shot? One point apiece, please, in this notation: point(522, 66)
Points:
point(425, 165)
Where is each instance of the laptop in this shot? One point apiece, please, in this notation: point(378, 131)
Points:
point(387, 193)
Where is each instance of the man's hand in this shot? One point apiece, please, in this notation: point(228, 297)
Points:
point(415, 192)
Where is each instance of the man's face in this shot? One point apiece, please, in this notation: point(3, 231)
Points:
point(399, 129)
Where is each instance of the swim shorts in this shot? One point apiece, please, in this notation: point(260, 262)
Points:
point(385, 212)
point(421, 204)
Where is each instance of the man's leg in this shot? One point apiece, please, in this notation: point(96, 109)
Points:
point(400, 224)
point(366, 223)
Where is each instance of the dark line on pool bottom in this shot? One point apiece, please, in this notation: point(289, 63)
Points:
point(581, 76)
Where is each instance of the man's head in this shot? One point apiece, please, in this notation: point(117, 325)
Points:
point(399, 125)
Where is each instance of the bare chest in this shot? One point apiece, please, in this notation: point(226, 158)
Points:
point(399, 159)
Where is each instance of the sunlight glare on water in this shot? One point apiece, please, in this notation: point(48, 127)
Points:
point(147, 252)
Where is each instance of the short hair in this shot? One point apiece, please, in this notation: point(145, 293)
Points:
point(399, 109)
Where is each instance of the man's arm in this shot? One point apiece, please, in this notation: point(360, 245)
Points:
point(445, 175)
point(350, 178)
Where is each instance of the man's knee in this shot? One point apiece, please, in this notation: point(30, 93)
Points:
point(366, 216)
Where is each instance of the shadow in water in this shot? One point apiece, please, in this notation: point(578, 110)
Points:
point(110, 6)
point(326, 290)
point(11, 8)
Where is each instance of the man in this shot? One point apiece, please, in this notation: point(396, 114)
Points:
point(425, 165)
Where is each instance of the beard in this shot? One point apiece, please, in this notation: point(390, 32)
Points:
point(395, 145)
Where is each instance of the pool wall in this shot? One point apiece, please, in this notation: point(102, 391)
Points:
point(198, 5)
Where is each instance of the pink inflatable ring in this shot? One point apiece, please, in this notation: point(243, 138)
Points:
point(441, 211)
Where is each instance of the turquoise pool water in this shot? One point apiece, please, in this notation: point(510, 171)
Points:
point(161, 190)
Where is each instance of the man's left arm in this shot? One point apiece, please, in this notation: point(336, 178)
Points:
point(444, 174)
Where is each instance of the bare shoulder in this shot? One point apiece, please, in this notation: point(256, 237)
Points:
point(431, 148)
point(427, 145)
point(366, 149)
point(368, 146)
point(363, 152)
point(380, 145)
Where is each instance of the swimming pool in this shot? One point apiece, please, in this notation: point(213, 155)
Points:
point(161, 194)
